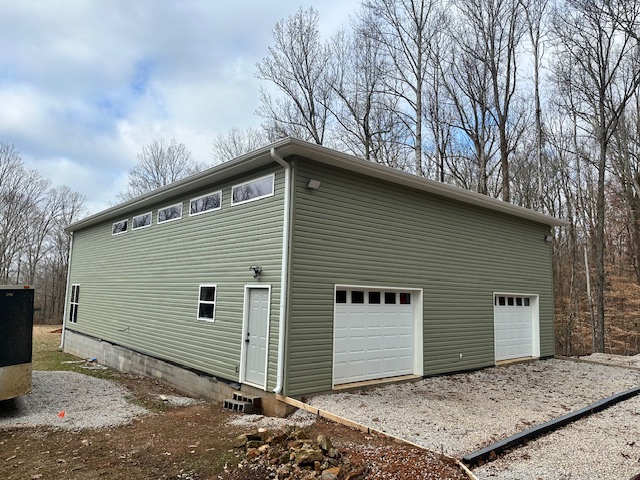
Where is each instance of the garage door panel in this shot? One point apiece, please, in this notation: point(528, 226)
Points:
point(513, 324)
point(374, 320)
point(373, 341)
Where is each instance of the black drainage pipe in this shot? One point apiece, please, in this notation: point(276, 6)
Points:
point(492, 451)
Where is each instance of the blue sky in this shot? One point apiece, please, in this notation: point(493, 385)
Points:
point(85, 84)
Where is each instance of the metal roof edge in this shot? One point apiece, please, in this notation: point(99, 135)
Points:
point(292, 146)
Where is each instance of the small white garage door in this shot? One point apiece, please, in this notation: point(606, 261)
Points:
point(513, 327)
point(373, 334)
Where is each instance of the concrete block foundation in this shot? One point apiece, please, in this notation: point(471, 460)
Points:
point(188, 382)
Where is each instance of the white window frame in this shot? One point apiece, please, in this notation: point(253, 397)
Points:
point(120, 221)
point(180, 204)
point(74, 301)
point(273, 189)
point(207, 302)
point(219, 193)
point(133, 220)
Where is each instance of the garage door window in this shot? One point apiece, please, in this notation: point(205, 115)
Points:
point(503, 301)
point(357, 297)
point(390, 298)
point(341, 296)
point(374, 298)
point(405, 298)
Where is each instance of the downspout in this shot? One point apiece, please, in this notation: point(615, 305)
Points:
point(284, 269)
point(66, 293)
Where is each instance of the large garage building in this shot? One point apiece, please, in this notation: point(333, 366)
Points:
point(298, 269)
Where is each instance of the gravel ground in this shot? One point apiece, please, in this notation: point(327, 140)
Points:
point(604, 446)
point(87, 402)
point(458, 414)
point(622, 360)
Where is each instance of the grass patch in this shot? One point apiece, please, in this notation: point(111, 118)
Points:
point(47, 355)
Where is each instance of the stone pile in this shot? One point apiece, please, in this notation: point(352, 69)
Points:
point(293, 455)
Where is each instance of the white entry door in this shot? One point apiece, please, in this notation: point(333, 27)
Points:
point(256, 336)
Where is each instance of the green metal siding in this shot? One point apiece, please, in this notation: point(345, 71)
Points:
point(356, 230)
point(140, 289)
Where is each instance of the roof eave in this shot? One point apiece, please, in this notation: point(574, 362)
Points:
point(291, 146)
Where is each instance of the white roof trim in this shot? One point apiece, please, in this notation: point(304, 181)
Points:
point(292, 146)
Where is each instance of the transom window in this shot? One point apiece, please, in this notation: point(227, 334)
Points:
point(73, 304)
point(141, 221)
point(252, 190)
point(167, 214)
point(511, 301)
point(372, 297)
point(120, 227)
point(207, 302)
point(206, 203)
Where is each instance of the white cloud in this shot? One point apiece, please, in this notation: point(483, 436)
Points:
point(85, 84)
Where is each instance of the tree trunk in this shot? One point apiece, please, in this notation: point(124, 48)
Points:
point(598, 330)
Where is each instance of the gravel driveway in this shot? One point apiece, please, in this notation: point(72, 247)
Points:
point(87, 402)
point(458, 414)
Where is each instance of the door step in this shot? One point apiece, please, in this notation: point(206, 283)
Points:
point(243, 403)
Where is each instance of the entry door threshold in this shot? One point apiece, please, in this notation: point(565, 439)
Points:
point(379, 381)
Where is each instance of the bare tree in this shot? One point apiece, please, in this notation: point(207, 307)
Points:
point(159, 164)
point(600, 65)
point(296, 66)
point(490, 35)
point(405, 29)
point(33, 246)
point(535, 13)
point(237, 142)
point(468, 85)
point(367, 122)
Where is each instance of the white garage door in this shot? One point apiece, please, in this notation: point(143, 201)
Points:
point(513, 320)
point(373, 334)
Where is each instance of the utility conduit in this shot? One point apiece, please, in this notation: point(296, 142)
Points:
point(363, 428)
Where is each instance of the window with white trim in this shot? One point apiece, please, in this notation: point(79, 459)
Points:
point(167, 214)
point(141, 221)
point(253, 190)
point(119, 227)
point(73, 303)
point(207, 302)
point(205, 203)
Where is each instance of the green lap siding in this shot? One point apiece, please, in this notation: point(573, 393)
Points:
point(356, 230)
point(140, 289)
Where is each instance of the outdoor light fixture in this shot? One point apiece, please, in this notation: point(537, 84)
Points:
point(314, 184)
point(256, 271)
point(548, 238)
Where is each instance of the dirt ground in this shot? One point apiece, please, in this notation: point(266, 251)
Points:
point(192, 442)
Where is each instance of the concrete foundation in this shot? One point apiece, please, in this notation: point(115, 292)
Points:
point(188, 382)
